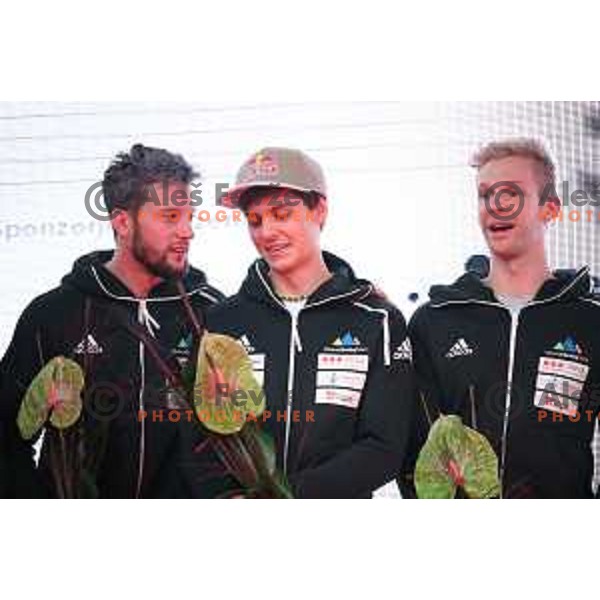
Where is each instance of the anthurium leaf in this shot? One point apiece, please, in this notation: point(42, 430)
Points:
point(456, 457)
point(34, 409)
point(432, 479)
point(65, 394)
point(226, 391)
point(53, 389)
point(479, 465)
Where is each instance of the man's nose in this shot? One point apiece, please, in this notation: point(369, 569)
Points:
point(185, 229)
point(269, 227)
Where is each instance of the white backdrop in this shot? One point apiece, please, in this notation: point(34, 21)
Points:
point(403, 201)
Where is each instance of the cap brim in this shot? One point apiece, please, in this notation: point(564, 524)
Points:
point(232, 197)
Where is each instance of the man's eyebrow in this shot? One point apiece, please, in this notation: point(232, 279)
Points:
point(487, 186)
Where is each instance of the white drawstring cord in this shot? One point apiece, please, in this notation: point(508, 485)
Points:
point(146, 319)
point(387, 350)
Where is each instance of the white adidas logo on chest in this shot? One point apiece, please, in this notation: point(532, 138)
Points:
point(461, 349)
point(88, 345)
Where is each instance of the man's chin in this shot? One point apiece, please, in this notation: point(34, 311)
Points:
point(179, 272)
point(169, 271)
point(504, 253)
point(282, 266)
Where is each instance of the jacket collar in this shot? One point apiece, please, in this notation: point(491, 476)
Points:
point(90, 276)
point(565, 286)
point(343, 286)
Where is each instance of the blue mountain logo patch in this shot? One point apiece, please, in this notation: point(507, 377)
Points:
point(569, 346)
point(347, 341)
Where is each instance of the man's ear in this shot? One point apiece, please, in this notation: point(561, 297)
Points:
point(550, 212)
point(322, 210)
point(121, 223)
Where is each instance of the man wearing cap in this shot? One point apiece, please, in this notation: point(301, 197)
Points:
point(334, 357)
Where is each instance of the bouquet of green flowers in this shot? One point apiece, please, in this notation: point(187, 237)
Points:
point(223, 375)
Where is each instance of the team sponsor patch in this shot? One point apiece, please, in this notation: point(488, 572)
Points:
point(343, 379)
point(564, 368)
point(548, 400)
point(338, 397)
point(347, 343)
point(558, 394)
point(562, 375)
point(183, 351)
point(342, 369)
point(343, 362)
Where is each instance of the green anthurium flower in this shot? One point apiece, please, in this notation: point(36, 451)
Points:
point(56, 391)
point(456, 457)
point(66, 394)
point(226, 391)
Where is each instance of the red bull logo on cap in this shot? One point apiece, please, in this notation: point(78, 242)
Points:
point(260, 167)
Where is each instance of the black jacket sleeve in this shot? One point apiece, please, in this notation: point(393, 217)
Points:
point(383, 426)
point(427, 401)
point(20, 364)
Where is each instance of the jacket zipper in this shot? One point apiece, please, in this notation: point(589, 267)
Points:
point(141, 404)
point(295, 345)
point(514, 330)
point(290, 391)
point(141, 408)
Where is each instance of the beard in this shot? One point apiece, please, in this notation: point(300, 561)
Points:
point(155, 262)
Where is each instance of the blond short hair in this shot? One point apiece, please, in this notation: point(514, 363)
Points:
point(523, 148)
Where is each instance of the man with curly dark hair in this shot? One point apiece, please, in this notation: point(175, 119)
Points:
point(122, 316)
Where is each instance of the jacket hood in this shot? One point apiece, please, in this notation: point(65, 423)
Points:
point(90, 276)
point(565, 286)
point(343, 285)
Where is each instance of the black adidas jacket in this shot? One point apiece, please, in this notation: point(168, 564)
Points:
point(345, 367)
point(92, 318)
point(529, 382)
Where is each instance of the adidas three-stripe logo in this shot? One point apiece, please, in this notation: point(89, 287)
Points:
point(460, 350)
point(88, 345)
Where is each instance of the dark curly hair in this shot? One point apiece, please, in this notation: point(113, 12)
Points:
point(128, 175)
